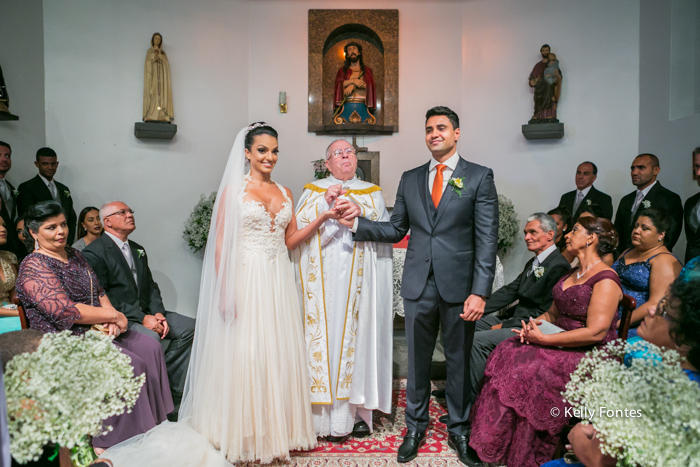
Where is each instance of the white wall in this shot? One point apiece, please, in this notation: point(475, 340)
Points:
point(94, 61)
point(474, 57)
point(672, 141)
point(22, 61)
point(229, 60)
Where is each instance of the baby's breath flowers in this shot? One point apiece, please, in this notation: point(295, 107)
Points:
point(667, 432)
point(62, 392)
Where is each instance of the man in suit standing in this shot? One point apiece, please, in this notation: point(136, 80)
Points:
point(44, 188)
point(451, 207)
point(122, 268)
point(649, 193)
point(8, 202)
point(692, 214)
point(585, 193)
point(532, 289)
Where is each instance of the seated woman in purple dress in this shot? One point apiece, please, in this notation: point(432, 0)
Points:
point(59, 291)
point(648, 268)
point(512, 421)
point(673, 324)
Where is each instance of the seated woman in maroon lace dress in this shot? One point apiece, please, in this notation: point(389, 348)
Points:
point(59, 291)
point(519, 413)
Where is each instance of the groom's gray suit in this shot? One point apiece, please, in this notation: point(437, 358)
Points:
point(451, 254)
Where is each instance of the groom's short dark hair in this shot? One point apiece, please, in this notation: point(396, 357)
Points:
point(447, 112)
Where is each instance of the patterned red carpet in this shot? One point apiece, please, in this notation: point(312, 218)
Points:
point(380, 448)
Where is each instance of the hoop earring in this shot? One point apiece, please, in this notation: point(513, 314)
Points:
point(587, 244)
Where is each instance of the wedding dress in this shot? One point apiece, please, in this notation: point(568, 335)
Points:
point(247, 390)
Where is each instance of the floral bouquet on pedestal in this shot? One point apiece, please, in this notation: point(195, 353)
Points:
point(507, 224)
point(646, 412)
point(197, 225)
point(61, 394)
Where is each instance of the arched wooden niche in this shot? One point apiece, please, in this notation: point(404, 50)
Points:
point(377, 32)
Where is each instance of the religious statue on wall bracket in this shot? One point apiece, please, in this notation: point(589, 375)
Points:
point(158, 112)
point(546, 80)
point(5, 101)
point(353, 72)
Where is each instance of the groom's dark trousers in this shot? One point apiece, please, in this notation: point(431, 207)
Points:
point(450, 255)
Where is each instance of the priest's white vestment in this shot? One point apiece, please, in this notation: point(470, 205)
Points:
point(346, 293)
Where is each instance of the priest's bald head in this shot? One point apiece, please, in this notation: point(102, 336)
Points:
point(341, 159)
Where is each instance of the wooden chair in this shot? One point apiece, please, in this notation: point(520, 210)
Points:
point(23, 321)
point(628, 305)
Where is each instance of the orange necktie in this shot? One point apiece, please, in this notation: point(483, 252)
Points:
point(437, 184)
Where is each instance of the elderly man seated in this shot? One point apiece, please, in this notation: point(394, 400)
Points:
point(532, 290)
point(122, 268)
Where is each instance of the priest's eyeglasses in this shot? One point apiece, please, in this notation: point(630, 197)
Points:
point(343, 152)
point(121, 212)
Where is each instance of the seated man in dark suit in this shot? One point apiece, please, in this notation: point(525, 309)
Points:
point(585, 193)
point(532, 289)
point(692, 214)
point(122, 268)
point(649, 193)
point(44, 188)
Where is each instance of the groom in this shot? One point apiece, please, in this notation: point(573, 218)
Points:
point(451, 207)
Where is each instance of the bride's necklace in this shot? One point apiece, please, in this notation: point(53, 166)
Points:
point(580, 275)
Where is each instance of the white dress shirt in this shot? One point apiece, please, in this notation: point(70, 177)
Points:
point(51, 185)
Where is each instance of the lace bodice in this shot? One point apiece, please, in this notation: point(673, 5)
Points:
point(7, 261)
point(262, 233)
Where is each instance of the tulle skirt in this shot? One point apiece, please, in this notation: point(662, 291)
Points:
point(268, 414)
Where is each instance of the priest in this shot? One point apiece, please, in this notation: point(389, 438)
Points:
point(346, 291)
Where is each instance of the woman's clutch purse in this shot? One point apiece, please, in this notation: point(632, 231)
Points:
point(548, 328)
point(100, 328)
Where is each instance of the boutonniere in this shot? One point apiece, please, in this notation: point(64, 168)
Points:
point(457, 185)
point(646, 203)
point(16, 192)
point(66, 193)
point(140, 252)
point(588, 202)
point(539, 272)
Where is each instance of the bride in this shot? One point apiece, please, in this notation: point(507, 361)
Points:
point(247, 389)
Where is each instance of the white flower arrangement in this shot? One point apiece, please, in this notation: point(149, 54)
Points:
point(16, 192)
point(666, 430)
point(646, 203)
point(197, 225)
point(457, 185)
point(508, 225)
point(64, 391)
point(141, 252)
point(66, 193)
point(539, 272)
point(589, 202)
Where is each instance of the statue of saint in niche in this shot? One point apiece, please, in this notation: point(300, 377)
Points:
point(4, 97)
point(157, 92)
point(546, 78)
point(355, 96)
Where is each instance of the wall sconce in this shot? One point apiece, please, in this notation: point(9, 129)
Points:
point(283, 102)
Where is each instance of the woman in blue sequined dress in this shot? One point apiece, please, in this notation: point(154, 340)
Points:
point(648, 268)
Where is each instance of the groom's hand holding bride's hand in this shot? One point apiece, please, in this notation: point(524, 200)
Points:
point(349, 211)
point(473, 308)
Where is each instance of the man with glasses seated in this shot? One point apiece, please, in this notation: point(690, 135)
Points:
point(347, 302)
point(43, 187)
point(122, 268)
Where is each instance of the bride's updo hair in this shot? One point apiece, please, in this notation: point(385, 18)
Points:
point(604, 229)
point(255, 129)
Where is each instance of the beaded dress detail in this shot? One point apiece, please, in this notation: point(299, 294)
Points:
point(512, 421)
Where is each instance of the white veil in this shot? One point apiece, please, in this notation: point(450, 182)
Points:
point(204, 412)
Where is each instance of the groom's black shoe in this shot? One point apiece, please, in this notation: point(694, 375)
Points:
point(409, 448)
point(466, 454)
point(440, 393)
